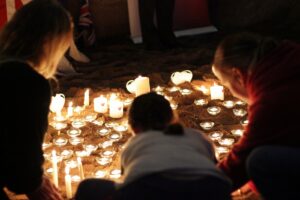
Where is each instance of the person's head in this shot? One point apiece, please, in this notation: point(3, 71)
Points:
point(153, 112)
point(39, 33)
point(236, 56)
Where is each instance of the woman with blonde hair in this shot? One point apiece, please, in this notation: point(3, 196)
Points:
point(31, 45)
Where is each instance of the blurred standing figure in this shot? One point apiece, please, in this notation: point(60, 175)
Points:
point(157, 34)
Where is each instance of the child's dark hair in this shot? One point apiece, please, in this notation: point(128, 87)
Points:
point(153, 112)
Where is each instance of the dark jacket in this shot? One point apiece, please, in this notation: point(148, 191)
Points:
point(274, 92)
point(24, 101)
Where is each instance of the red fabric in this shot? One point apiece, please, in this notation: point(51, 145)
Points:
point(3, 13)
point(273, 89)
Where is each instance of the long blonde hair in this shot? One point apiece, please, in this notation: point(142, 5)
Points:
point(35, 33)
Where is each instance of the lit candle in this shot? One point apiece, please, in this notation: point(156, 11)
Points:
point(201, 102)
point(86, 101)
point(59, 125)
point(115, 107)
point(55, 168)
point(226, 141)
point(216, 92)
point(239, 112)
point(127, 102)
point(100, 104)
point(70, 109)
point(57, 103)
point(207, 125)
point(115, 173)
point(66, 154)
point(215, 135)
point(74, 132)
point(142, 85)
point(100, 174)
point(60, 141)
point(90, 147)
point(90, 117)
point(121, 128)
point(158, 89)
point(103, 131)
point(245, 122)
point(203, 89)
point(78, 123)
point(240, 103)
point(107, 153)
point(213, 110)
point(186, 91)
point(173, 89)
point(80, 168)
point(115, 136)
point(68, 183)
point(106, 144)
point(174, 105)
point(76, 140)
point(228, 104)
point(103, 161)
point(237, 132)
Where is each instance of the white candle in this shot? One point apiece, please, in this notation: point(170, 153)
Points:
point(216, 92)
point(142, 85)
point(55, 168)
point(86, 101)
point(100, 104)
point(68, 183)
point(80, 168)
point(70, 109)
point(115, 107)
point(57, 103)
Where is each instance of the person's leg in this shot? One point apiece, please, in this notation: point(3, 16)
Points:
point(275, 170)
point(164, 14)
point(149, 31)
point(92, 189)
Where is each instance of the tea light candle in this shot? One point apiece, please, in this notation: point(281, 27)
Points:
point(159, 89)
point(60, 141)
point(103, 131)
point(78, 123)
point(207, 125)
point(46, 145)
point(216, 92)
point(105, 144)
point(58, 125)
point(70, 109)
point(55, 168)
point(74, 132)
point(90, 147)
point(221, 150)
point(72, 163)
point(115, 136)
point(142, 85)
point(228, 104)
point(214, 136)
point(90, 117)
point(237, 132)
point(76, 140)
point(115, 107)
point(173, 89)
point(201, 102)
point(186, 91)
point(103, 161)
point(240, 103)
point(86, 101)
point(101, 104)
point(239, 112)
point(68, 183)
point(80, 168)
point(78, 109)
point(75, 178)
point(66, 154)
point(213, 110)
point(111, 124)
point(99, 121)
point(100, 174)
point(121, 128)
point(245, 122)
point(226, 141)
point(82, 153)
point(108, 153)
point(174, 105)
point(115, 173)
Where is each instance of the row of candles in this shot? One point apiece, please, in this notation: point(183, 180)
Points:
point(113, 105)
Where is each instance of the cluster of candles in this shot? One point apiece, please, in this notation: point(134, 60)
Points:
point(86, 140)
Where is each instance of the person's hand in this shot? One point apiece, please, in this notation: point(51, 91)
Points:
point(47, 191)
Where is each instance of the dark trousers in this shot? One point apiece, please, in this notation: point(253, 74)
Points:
point(275, 171)
point(162, 30)
point(157, 187)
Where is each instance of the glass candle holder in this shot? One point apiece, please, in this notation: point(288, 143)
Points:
point(74, 132)
point(99, 121)
point(226, 141)
point(75, 178)
point(107, 153)
point(240, 103)
point(201, 102)
point(207, 125)
point(60, 141)
point(90, 117)
point(82, 153)
point(103, 161)
point(103, 131)
point(174, 105)
point(105, 144)
point(244, 122)
point(239, 112)
point(213, 110)
point(76, 140)
point(58, 125)
point(111, 124)
point(78, 123)
point(46, 145)
point(90, 147)
point(66, 154)
point(215, 136)
point(71, 163)
point(228, 104)
point(159, 89)
point(237, 132)
point(115, 174)
point(186, 91)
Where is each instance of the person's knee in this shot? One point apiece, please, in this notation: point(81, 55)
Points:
point(256, 161)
